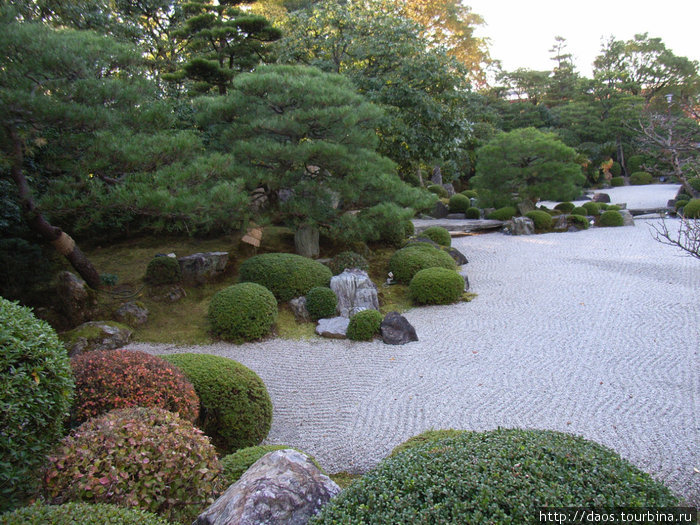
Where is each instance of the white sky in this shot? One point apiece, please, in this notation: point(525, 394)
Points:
point(523, 31)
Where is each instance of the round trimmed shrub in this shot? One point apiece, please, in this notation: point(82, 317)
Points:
point(364, 325)
point(565, 207)
point(694, 183)
point(580, 221)
point(234, 465)
point(438, 234)
point(349, 260)
point(613, 207)
point(109, 379)
point(634, 163)
point(459, 203)
point(503, 214)
point(428, 436)
point(438, 190)
point(436, 286)
point(579, 210)
point(36, 392)
point(286, 275)
point(640, 178)
point(80, 514)
point(500, 476)
point(321, 302)
point(592, 208)
point(406, 262)
point(602, 206)
point(473, 213)
point(680, 204)
point(408, 228)
point(610, 218)
point(242, 312)
point(692, 209)
point(135, 457)
point(471, 194)
point(235, 409)
point(616, 182)
point(163, 270)
point(542, 219)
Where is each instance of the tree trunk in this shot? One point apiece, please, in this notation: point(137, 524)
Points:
point(60, 240)
point(621, 157)
point(306, 241)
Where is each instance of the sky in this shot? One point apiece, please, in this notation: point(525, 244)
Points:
point(522, 31)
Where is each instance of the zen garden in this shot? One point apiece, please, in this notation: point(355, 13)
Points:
point(295, 261)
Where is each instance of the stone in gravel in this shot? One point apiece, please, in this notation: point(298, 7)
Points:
point(282, 488)
point(202, 267)
point(333, 327)
point(519, 226)
point(560, 223)
point(95, 335)
point(463, 273)
point(132, 314)
point(627, 218)
point(456, 216)
point(458, 256)
point(355, 292)
point(601, 197)
point(396, 330)
point(298, 306)
point(440, 211)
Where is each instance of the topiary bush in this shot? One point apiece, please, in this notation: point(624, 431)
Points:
point(501, 476)
point(36, 392)
point(438, 234)
point(471, 194)
point(610, 218)
point(680, 204)
point(579, 210)
point(109, 379)
point(473, 213)
point(438, 190)
point(692, 209)
point(613, 207)
point(617, 181)
point(286, 275)
point(163, 270)
point(565, 207)
point(436, 286)
point(592, 208)
point(242, 312)
point(364, 325)
point(349, 260)
point(602, 206)
point(235, 409)
point(459, 203)
point(580, 221)
point(406, 262)
point(80, 514)
point(640, 178)
point(136, 457)
point(321, 302)
point(503, 214)
point(541, 219)
point(234, 465)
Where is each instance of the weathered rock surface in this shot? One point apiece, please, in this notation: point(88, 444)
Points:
point(168, 294)
point(355, 292)
point(560, 223)
point(627, 217)
point(526, 206)
point(333, 327)
point(519, 226)
point(282, 488)
point(202, 267)
point(95, 335)
point(440, 211)
point(75, 300)
point(298, 306)
point(456, 216)
point(463, 273)
point(601, 197)
point(132, 314)
point(467, 225)
point(396, 330)
point(458, 256)
point(449, 187)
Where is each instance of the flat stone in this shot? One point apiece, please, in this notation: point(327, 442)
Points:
point(202, 267)
point(333, 327)
point(456, 216)
point(396, 330)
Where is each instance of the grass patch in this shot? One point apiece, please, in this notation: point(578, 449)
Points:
point(392, 298)
point(288, 328)
point(344, 479)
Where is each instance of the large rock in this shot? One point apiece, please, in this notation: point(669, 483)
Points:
point(396, 330)
point(526, 207)
point(440, 211)
point(202, 267)
point(627, 217)
point(298, 306)
point(560, 223)
point(76, 301)
point(519, 226)
point(333, 327)
point(355, 292)
point(95, 335)
point(449, 188)
point(601, 197)
point(132, 314)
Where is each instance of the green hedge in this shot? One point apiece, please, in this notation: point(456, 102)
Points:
point(592, 208)
point(692, 209)
point(438, 234)
point(617, 182)
point(242, 312)
point(459, 203)
point(694, 183)
point(580, 221)
point(349, 260)
point(406, 262)
point(503, 214)
point(610, 218)
point(565, 207)
point(163, 270)
point(80, 514)
point(641, 178)
point(321, 302)
point(579, 210)
point(473, 213)
point(364, 325)
point(436, 286)
point(541, 219)
point(472, 194)
point(438, 190)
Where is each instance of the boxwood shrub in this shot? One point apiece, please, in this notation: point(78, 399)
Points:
point(616, 169)
point(36, 392)
point(640, 178)
point(692, 209)
point(436, 286)
point(286, 275)
point(438, 234)
point(565, 207)
point(472, 194)
point(80, 514)
point(406, 262)
point(364, 325)
point(680, 204)
point(579, 210)
point(503, 214)
point(163, 270)
point(473, 213)
point(349, 260)
point(541, 219)
point(459, 203)
point(242, 312)
point(592, 208)
point(425, 437)
point(610, 218)
point(235, 409)
point(617, 181)
point(438, 190)
point(321, 302)
point(580, 221)
point(234, 465)
point(613, 207)
point(501, 476)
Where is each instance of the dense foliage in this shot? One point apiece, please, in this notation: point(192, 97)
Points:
point(242, 312)
point(579, 221)
point(502, 214)
point(610, 218)
point(436, 286)
point(438, 234)
point(406, 262)
point(541, 219)
point(347, 260)
point(163, 270)
point(321, 302)
point(640, 178)
point(692, 209)
point(364, 325)
point(80, 514)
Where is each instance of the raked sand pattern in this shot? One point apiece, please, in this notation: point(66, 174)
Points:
point(594, 333)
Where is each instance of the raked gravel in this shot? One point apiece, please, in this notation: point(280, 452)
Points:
point(594, 333)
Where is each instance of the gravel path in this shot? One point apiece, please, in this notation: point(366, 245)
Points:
point(594, 333)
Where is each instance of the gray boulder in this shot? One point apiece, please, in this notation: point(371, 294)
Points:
point(463, 273)
point(627, 218)
point(519, 226)
point(132, 314)
point(526, 206)
point(76, 301)
point(333, 327)
point(449, 187)
point(298, 306)
point(282, 488)
point(440, 211)
point(355, 292)
point(601, 197)
point(95, 335)
point(202, 267)
point(560, 223)
point(396, 330)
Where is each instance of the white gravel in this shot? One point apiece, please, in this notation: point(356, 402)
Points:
point(594, 333)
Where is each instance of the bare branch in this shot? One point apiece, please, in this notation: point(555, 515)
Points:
point(687, 238)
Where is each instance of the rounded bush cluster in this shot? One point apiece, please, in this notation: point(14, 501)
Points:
point(163, 270)
point(610, 218)
point(501, 476)
point(565, 207)
point(37, 386)
point(692, 209)
point(616, 169)
point(428, 436)
point(503, 214)
point(235, 409)
point(471, 194)
point(680, 204)
point(580, 221)
point(438, 190)
point(135, 457)
point(242, 312)
point(234, 465)
point(349, 260)
point(321, 302)
point(634, 163)
point(364, 325)
point(109, 379)
point(694, 183)
point(640, 178)
point(592, 208)
point(80, 514)
point(406, 262)
point(613, 207)
point(438, 234)
point(436, 286)
point(617, 181)
point(579, 210)
point(459, 203)
point(473, 213)
point(286, 275)
point(541, 219)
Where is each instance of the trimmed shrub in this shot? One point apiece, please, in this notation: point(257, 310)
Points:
point(694, 183)
point(616, 169)
point(243, 312)
point(36, 392)
point(501, 476)
point(386, 222)
point(503, 214)
point(286, 275)
point(136, 457)
point(438, 234)
point(438, 190)
point(640, 178)
point(163, 270)
point(428, 436)
point(471, 194)
point(349, 260)
point(592, 208)
point(436, 286)
point(680, 204)
point(610, 218)
point(109, 379)
point(692, 209)
point(580, 221)
point(617, 181)
point(565, 207)
point(602, 206)
point(473, 213)
point(364, 325)
point(459, 203)
point(613, 207)
point(406, 262)
point(234, 465)
point(579, 210)
point(634, 163)
point(542, 219)
point(321, 302)
point(80, 514)
point(235, 409)
point(408, 228)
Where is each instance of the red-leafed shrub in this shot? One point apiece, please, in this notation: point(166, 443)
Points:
point(110, 379)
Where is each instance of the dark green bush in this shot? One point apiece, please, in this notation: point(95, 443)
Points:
point(386, 223)
point(565, 207)
point(438, 234)
point(80, 514)
point(436, 286)
point(692, 209)
point(234, 465)
point(364, 325)
point(640, 178)
point(235, 409)
point(286, 275)
point(421, 439)
point(409, 228)
point(579, 210)
point(634, 163)
point(349, 260)
point(35, 396)
point(602, 206)
point(503, 214)
point(321, 302)
point(694, 183)
point(500, 476)
point(471, 194)
point(24, 269)
point(617, 181)
point(406, 262)
point(680, 204)
point(610, 218)
point(459, 203)
point(438, 190)
point(613, 207)
point(580, 221)
point(242, 312)
point(592, 208)
point(542, 219)
point(163, 270)
point(616, 169)
point(473, 213)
